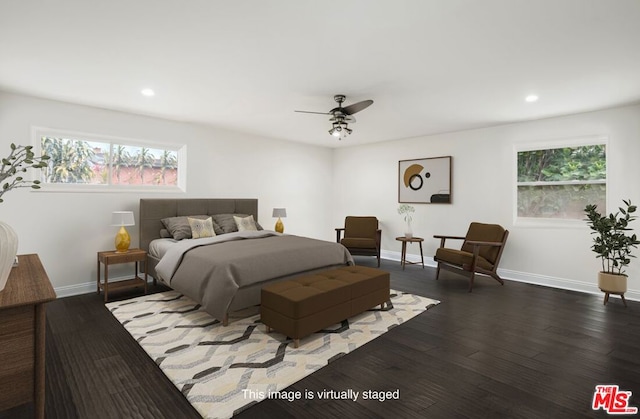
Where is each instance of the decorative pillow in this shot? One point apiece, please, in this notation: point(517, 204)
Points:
point(179, 227)
point(164, 233)
point(245, 223)
point(227, 223)
point(201, 228)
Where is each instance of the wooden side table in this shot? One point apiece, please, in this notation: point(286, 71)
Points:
point(111, 257)
point(405, 240)
point(22, 334)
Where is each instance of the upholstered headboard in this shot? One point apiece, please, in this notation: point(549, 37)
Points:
point(154, 210)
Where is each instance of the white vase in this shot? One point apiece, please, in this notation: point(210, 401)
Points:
point(8, 250)
point(408, 231)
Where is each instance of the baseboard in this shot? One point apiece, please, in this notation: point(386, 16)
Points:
point(529, 278)
point(84, 288)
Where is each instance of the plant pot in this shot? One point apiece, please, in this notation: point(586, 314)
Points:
point(8, 250)
point(612, 283)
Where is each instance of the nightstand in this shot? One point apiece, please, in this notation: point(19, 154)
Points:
point(111, 257)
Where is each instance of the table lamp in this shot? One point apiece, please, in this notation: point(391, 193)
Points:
point(122, 219)
point(280, 213)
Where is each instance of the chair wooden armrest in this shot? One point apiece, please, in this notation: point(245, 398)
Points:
point(484, 243)
point(444, 238)
point(339, 231)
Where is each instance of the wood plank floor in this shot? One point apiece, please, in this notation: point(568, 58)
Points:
point(517, 350)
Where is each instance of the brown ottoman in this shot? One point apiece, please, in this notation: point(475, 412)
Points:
point(301, 306)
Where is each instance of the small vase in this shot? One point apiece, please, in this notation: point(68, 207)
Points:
point(8, 250)
point(408, 231)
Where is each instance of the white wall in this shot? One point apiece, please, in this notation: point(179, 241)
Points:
point(365, 180)
point(67, 229)
point(320, 186)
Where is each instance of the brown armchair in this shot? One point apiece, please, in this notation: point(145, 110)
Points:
point(361, 236)
point(480, 252)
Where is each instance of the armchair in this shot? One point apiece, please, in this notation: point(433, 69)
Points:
point(361, 236)
point(480, 252)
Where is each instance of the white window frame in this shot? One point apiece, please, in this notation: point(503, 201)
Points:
point(181, 149)
point(544, 145)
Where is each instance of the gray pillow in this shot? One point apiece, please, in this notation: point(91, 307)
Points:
point(164, 233)
point(227, 224)
point(179, 227)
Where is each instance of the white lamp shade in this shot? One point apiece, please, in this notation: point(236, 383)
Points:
point(122, 218)
point(279, 212)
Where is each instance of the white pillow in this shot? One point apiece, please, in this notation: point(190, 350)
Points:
point(201, 228)
point(246, 223)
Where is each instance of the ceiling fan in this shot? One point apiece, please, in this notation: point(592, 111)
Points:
point(342, 116)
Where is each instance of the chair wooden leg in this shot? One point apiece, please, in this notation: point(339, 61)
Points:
point(497, 278)
point(623, 300)
point(438, 271)
point(606, 298)
point(473, 275)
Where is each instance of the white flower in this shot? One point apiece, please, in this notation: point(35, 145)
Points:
point(406, 210)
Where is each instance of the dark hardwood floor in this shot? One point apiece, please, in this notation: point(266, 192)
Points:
point(516, 351)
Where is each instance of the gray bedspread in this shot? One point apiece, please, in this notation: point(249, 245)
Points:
point(210, 271)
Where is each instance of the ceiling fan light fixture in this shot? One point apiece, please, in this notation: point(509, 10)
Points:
point(341, 117)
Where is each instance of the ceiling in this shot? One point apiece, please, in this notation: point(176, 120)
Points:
point(431, 66)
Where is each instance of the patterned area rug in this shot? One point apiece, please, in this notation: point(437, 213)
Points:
point(223, 370)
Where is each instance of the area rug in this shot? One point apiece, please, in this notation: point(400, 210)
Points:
point(224, 370)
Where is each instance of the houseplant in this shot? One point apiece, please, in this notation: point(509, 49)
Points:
point(407, 210)
point(612, 244)
point(20, 159)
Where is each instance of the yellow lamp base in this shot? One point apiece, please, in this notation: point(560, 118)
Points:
point(122, 240)
point(279, 226)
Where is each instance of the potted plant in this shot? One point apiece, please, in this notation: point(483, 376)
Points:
point(613, 246)
point(13, 166)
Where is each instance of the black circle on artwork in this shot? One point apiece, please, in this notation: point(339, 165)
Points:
point(411, 182)
point(427, 175)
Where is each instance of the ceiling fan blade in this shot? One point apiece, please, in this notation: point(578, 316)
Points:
point(357, 107)
point(319, 113)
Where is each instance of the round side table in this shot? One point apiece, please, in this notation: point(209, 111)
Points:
point(403, 258)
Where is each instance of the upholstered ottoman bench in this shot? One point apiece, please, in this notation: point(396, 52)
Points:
point(303, 305)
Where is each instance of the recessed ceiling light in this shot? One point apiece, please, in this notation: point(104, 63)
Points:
point(148, 92)
point(531, 98)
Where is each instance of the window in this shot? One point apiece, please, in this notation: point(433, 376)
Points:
point(558, 181)
point(93, 162)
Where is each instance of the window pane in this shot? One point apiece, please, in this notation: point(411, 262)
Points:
point(75, 161)
point(558, 164)
point(559, 201)
point(144, 166)
point(559, 182)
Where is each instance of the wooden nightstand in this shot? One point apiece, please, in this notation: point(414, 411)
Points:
point(111, 257)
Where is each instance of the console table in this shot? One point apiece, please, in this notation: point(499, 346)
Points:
point(22, 334)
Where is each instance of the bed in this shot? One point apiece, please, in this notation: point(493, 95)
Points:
point(225, 273)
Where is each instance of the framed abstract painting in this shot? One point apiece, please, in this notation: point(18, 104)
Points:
point(425, 181)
